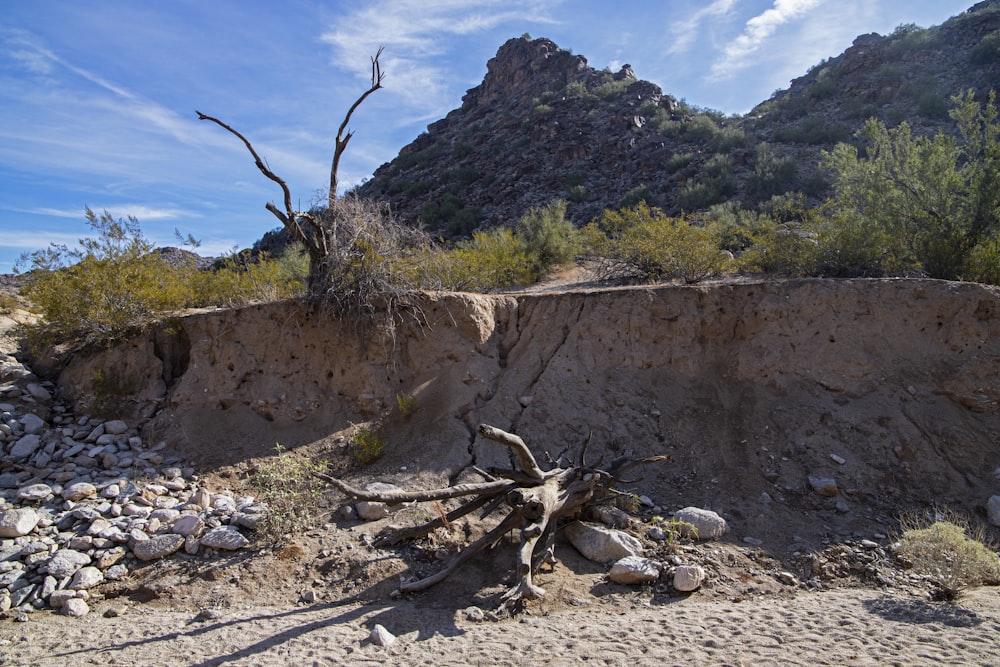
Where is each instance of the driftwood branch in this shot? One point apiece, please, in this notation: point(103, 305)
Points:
point(537, 500)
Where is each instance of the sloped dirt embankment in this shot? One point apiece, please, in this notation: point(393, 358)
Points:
point(889, 387)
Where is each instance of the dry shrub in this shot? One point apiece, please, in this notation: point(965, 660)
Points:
point(292, 492)
point(951, 552)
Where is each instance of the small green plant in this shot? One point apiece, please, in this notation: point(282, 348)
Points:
point(407, 403)
point(369, 444)
point(950, 551)
point(292, 492)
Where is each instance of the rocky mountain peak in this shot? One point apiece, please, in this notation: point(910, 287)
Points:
point(524, 68)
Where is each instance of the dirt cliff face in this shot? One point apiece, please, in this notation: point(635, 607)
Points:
point(888, 387)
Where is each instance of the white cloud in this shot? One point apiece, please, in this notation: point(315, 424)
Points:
point(416, 34)
point(757, 31)
point(685, 32)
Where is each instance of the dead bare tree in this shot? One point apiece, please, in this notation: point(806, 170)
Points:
point(537, 500)
point(321, 232)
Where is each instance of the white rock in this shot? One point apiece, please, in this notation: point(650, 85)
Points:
point(66, 562)
point(115, 427)
point(600, 544)
point(34, 492)
point(202, 498)
point(17, 523)
point(189, 524)
point(58, 598)
point(993, 510)
point(75, 607)
point(224, 537)
point(382, 637)
point(688, 578)
point(369, 510)
point(79, 491)
point(158, 546)
point(86, 577)
point(116, 572)
point(707, 525)
point(635, 570)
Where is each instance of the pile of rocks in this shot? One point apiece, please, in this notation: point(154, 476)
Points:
point(82, 500)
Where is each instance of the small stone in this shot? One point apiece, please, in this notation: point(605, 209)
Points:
point(600, 544)
point(202, 498)
point(525, 401)
point(840, 460)
point(26, 446)
point(868, 544)
point(824, 486)
point(116, 572)
point(382, 637)
point(474, 614)
point(79, 491)
point(34, 492)
point(75, 607)
point(115, 427)
point(114, 612)
point(189, 524)
point(32, 423)
point(224, 537)
point(38, 392)
point(86, 577)
point(58, 598)
point(371, 510)
point(635, 570)
point(787, 578)
point(700, 524)
point(158, 546)
point(688, 578)
point(66, 562)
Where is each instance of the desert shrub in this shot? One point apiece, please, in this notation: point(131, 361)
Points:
point(700, 128)
point(933, 199)
point(814, 130)
point(636, 196)
point(612, 89)
point(642, 243)
point(240, 279)
point(287, 485)
point(407, 403)
point(548, 237)
point(577, 193)
point(727, 139)
point(949, 551)
point(102, 291)
point(677, 162)
point(772, 175)
point(780, 249)
point(369, 444)
point(987, 51)
point(489, 261)
point(700, 195)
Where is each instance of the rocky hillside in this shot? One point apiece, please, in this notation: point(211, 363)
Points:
point(544, 125)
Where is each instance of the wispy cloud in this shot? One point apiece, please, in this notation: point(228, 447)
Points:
point(416, 34)
point(686, 31)
point(139, 211)
point(757, 31)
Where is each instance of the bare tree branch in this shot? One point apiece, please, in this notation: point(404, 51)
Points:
point(342, 139)
point(525, 459)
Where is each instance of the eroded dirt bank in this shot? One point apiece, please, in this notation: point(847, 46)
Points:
point(752, 388)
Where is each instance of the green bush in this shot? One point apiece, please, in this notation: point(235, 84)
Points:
point(115, 283)
point(987, 51)
point(369, 444)
point(490, 261)
point(104, 290)
point(932, 199)
point(642, 243)
point(288, 486)
point(548, 237)
point(772, 175)
point(945, 551)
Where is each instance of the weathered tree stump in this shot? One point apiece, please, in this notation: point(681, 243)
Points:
point(537, 500)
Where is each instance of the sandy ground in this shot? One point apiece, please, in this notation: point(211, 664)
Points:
point(840, 627)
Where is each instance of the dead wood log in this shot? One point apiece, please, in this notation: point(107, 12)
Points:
point(537, 500)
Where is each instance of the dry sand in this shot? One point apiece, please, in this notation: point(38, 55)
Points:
point(839, 627)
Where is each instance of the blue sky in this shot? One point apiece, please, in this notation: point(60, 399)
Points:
point(97, 98)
